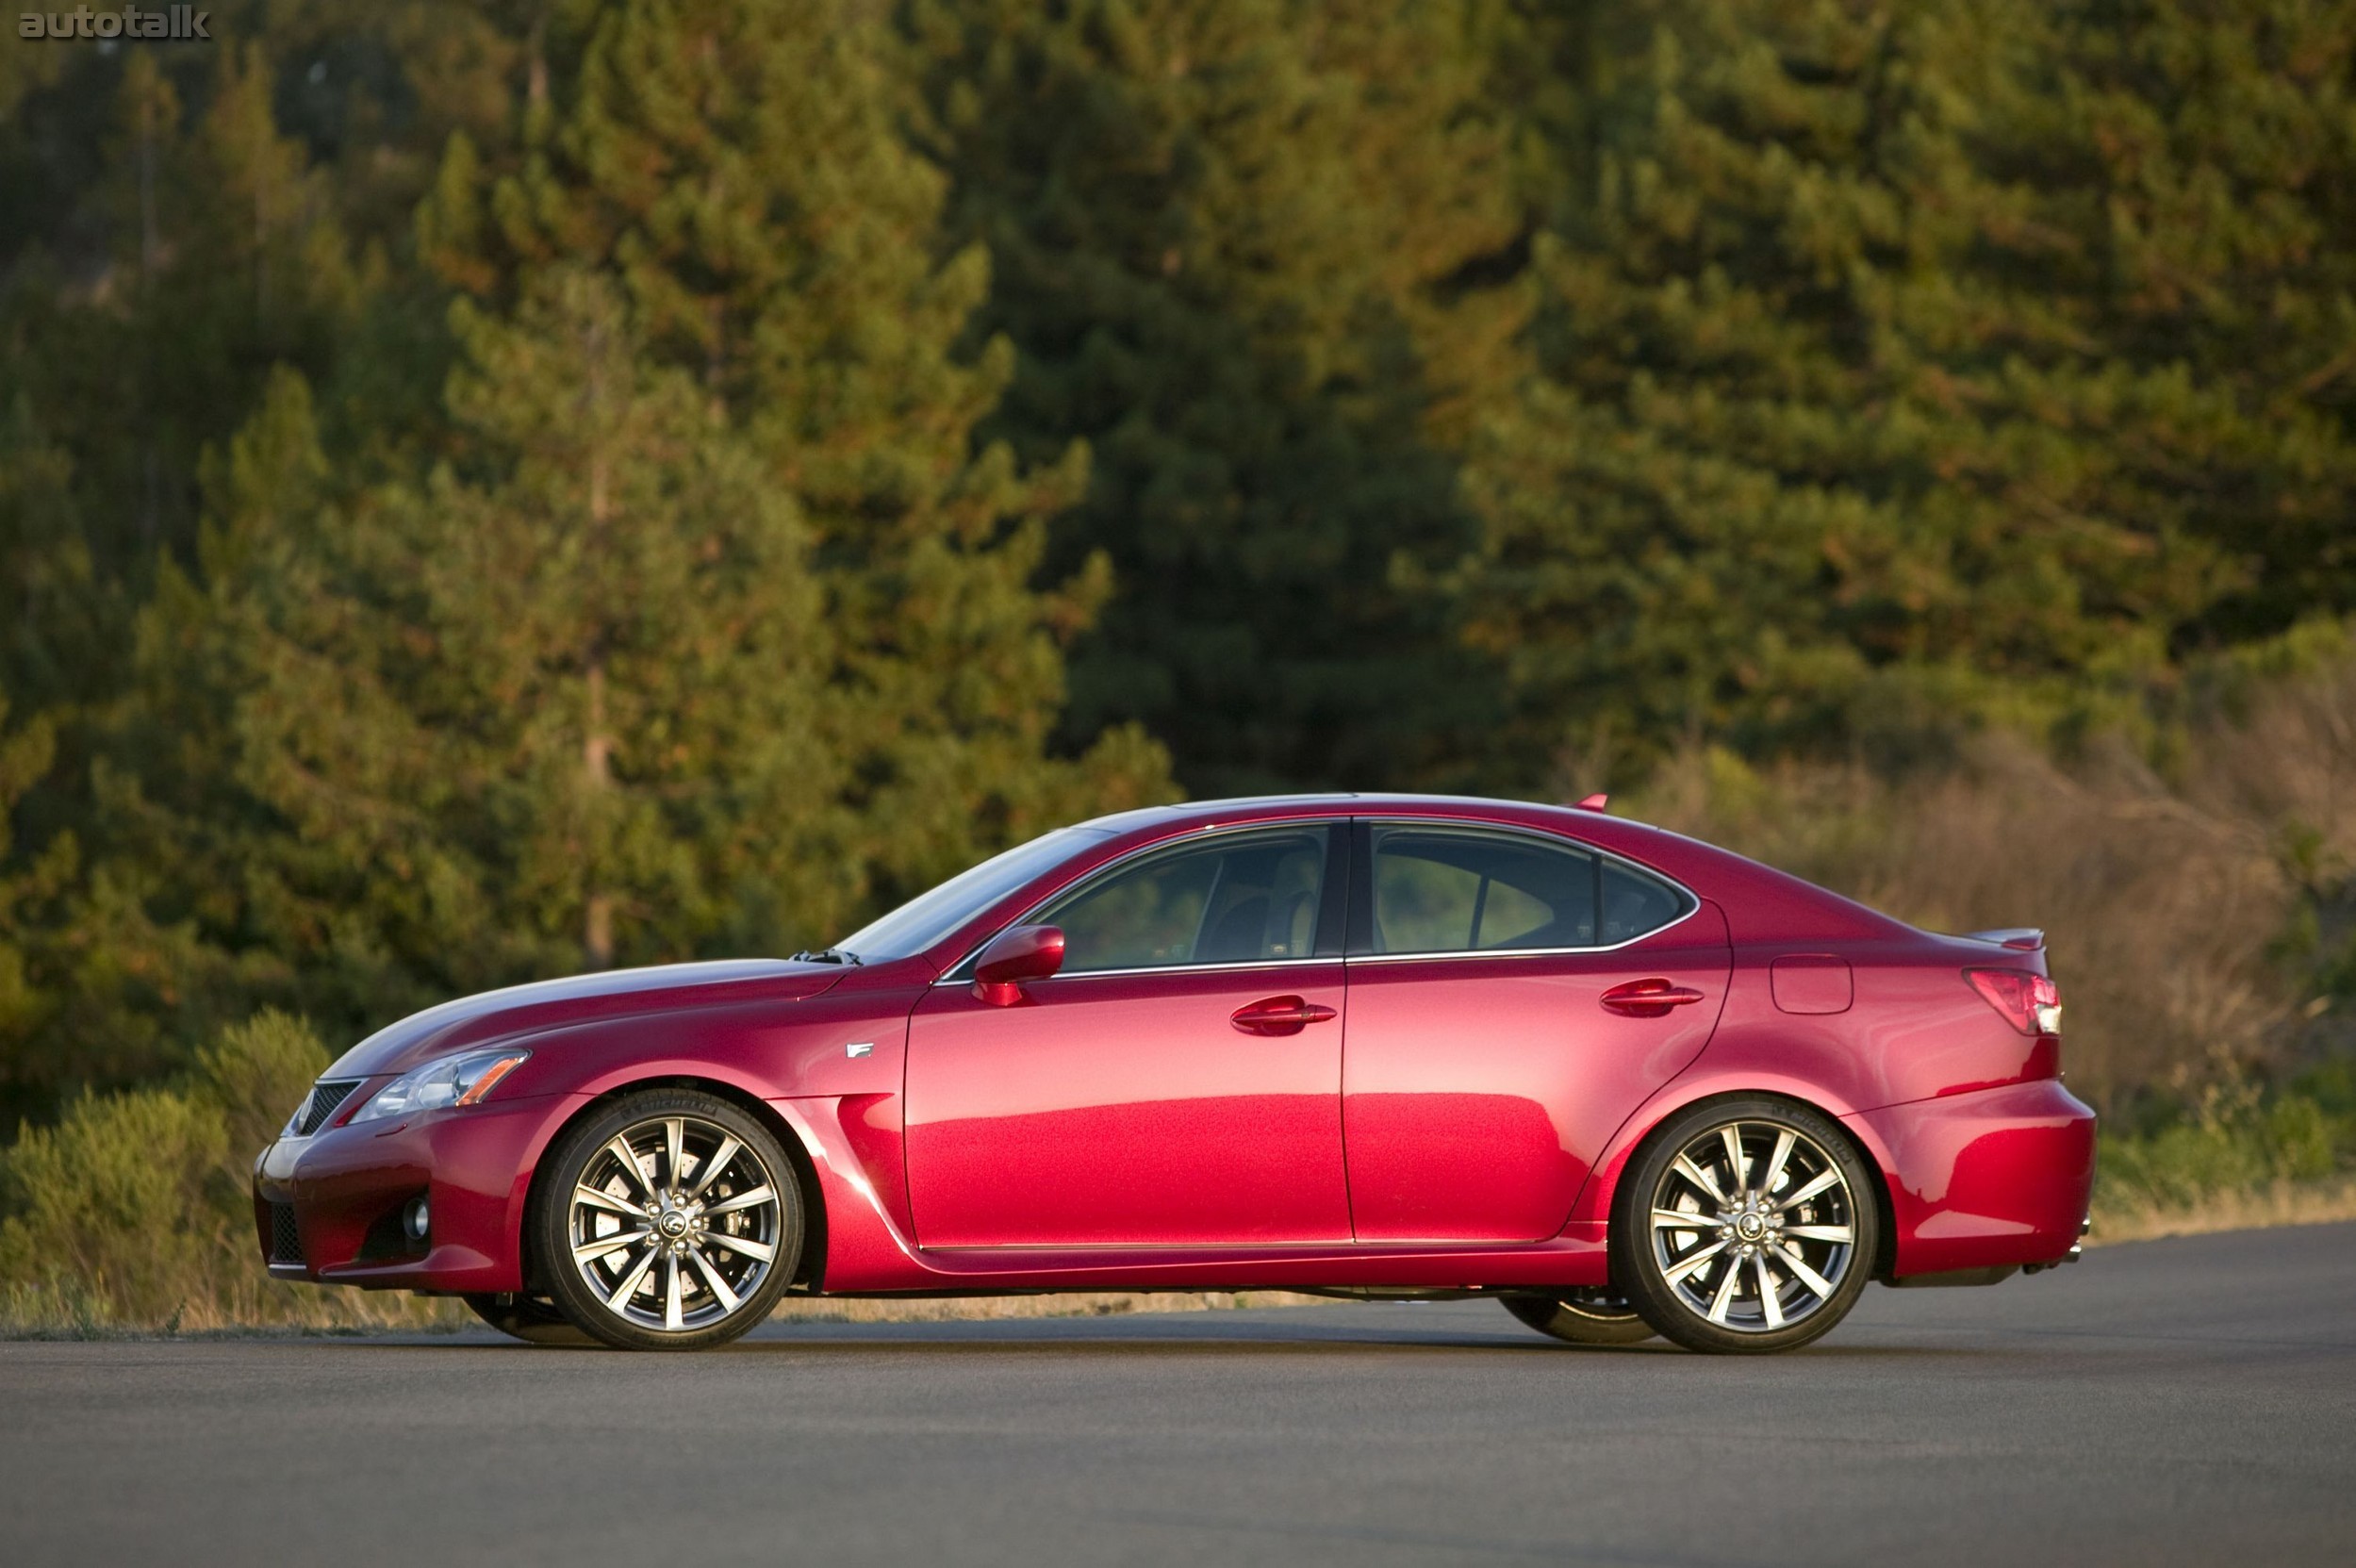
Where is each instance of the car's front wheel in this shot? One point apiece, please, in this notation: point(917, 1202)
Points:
point(670, 1221)
point(1582, 1317)
point(1745, 1226)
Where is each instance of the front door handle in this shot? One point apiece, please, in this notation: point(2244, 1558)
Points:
point(1648, 998)
point(1278, 1016)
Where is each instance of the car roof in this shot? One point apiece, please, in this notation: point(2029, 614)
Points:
point(1247, 808)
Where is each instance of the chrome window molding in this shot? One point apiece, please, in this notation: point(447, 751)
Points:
point(960, 973)
point(1238, 965)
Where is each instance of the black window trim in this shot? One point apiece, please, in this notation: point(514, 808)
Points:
point(1360, 948)
point(1326, 947)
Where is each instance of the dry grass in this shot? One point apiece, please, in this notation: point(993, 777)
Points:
point(2168, 889)
point(2252, 1209)
point(337, 1313)
point(333, 1318)
point(2159, 914)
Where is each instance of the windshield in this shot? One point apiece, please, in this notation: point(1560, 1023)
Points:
point(927, 918)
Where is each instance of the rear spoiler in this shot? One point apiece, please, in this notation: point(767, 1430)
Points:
point(2027, 939)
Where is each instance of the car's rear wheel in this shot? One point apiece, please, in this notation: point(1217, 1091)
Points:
point(1598, 1316)
point(1745, 1226)
point(528, 1318)
point(670, 1221)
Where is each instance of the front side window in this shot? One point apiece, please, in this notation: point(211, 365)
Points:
point(1238, 897)
point(1453, 890)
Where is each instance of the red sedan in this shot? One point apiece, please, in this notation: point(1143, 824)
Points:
point(1370, 1046)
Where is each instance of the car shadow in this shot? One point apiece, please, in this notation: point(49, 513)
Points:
point(970, 1339)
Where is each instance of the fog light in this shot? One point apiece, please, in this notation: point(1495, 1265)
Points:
point(414, 1219)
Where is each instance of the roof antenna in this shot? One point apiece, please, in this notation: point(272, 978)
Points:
point(1593, 802)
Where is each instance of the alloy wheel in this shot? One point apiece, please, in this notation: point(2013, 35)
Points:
point(1753, 1227)
point(674, 1223)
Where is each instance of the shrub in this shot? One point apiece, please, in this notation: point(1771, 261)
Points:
point(253, 1077)
point(112, 1206)
point(2196, 892)
point(134, 1210)
point(2233, 1142)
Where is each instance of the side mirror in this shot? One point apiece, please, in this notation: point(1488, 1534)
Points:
point(1014, 955)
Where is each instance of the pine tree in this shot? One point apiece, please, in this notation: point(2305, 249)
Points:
point(222, 257)
point(1257, 255)
point(179, 221)
point(2200, 162)
point(172, 246)
point(551, 704)
point(1354, 393)
point(25, 756)
point(1896, 374)
point(554, 704)
point(56, 609)
point(740, 171)
point(691, 623)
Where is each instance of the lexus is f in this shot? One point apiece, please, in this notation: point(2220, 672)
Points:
point(1373, 1045)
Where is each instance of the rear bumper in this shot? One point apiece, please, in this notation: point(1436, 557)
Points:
point(1984, 1180)
point(343, 1191)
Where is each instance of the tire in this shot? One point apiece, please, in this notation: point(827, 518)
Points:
point(684, 1245)
point(1756, 1271)
point(530, 1319)
point(1581, 1317)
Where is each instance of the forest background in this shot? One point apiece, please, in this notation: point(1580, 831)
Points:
point(490, 491)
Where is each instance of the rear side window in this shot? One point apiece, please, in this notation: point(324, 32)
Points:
point(1239, 897)
point(1455, 890)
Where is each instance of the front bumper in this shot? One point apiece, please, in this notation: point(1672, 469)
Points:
point(1986, 1180)
point(327, 1207)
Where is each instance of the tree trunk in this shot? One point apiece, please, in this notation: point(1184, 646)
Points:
point(597, 938)
point(597, 746)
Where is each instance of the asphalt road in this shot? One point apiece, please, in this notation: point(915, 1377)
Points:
point(2185, 1401)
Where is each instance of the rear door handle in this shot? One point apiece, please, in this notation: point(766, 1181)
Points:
point(1278, 1016)
point(1648, 998)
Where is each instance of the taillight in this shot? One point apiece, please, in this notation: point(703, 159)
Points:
point(2031, 1003)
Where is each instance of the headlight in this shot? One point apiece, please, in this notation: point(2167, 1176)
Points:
point(452, 1080)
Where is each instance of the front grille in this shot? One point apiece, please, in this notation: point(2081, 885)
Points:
point(326, 1095)
point(285, 1242)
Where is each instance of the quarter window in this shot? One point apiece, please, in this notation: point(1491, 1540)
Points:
point(1236, 898)
point(1450, 890)
point(1635, 903)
